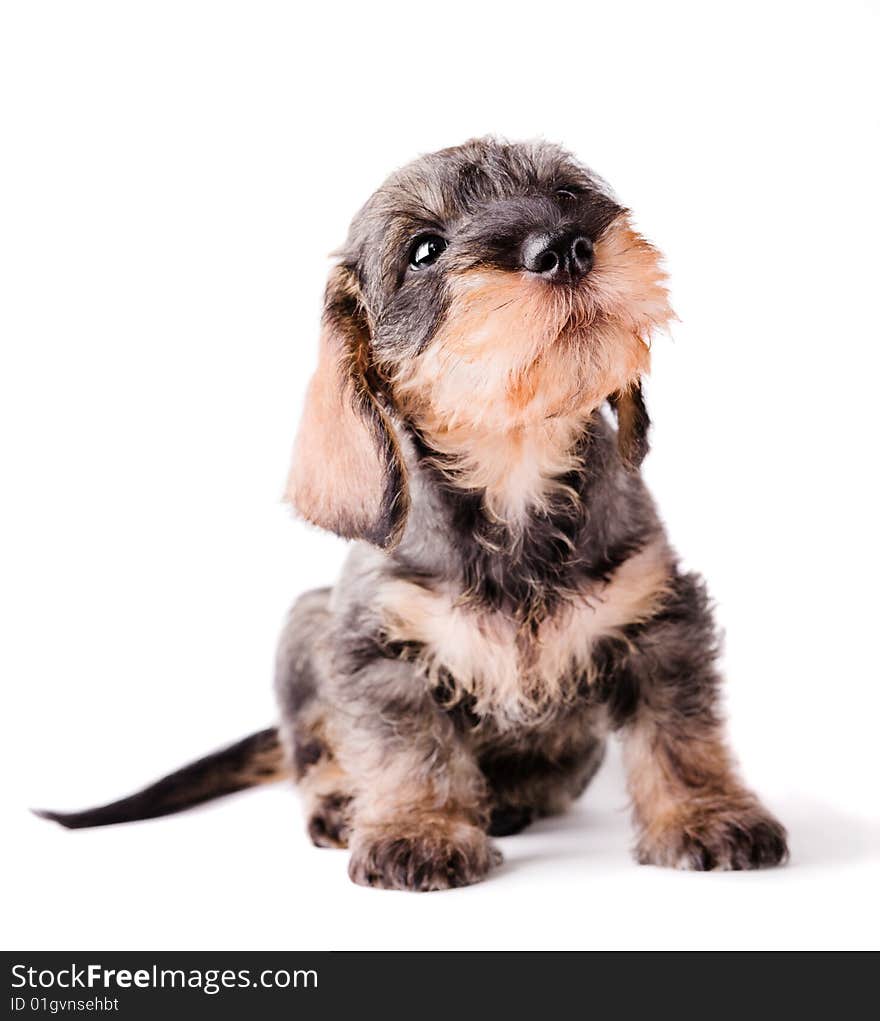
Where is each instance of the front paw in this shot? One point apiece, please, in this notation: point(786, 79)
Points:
point(434, 856)
point(719, 837)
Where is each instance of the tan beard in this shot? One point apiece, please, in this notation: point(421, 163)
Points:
point(507, 383)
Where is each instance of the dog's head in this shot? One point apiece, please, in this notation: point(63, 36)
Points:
point(483, 289)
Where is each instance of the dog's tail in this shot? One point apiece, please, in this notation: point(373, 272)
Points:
point(255, 760)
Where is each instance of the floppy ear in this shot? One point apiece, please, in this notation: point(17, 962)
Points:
point(347, 473)
point(632, 425)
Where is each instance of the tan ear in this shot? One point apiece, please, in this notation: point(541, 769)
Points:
point(633, 424)
point(347, 473)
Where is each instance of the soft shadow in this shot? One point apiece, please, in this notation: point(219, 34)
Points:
point(822, 835)
point(599, 825)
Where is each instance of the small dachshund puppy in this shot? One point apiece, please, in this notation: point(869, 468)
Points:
point(511, 598)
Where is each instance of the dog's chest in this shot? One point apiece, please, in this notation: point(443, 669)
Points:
point(511, 672)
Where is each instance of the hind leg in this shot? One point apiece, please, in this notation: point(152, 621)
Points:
point(530, 783)
point(328, 807)
point(300, 685)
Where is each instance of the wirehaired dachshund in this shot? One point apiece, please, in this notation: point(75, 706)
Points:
point(510, 598)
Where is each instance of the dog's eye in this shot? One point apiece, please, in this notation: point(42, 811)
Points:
point(569, 194)
point(426, 250)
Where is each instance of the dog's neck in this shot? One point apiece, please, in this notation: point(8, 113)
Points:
point(525, 568)
point(518, 469)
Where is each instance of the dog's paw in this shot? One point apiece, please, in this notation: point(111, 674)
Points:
point(724, 839)
point(328, 824)
point(432, 857)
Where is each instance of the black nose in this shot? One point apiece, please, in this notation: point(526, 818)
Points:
point(561, 256)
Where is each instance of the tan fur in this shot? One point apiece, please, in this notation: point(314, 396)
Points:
point(519, 366)
point(336, 479)
point(419, 811)
point(402, 790)
point(684, 791)
point(510, 672)
point(518, 467)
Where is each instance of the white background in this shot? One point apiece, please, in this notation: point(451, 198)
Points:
point(174, 176)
